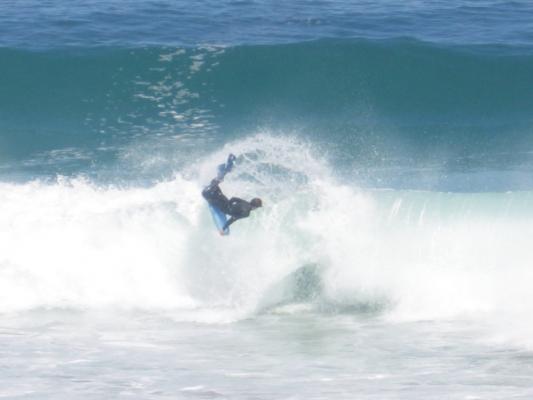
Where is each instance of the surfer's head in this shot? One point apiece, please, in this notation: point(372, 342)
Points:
point(256, 202)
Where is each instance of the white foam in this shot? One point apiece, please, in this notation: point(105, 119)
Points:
point(75, 244)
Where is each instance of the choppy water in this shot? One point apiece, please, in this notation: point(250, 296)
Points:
point(301, 356)
point(391, 143)
point(55, 23)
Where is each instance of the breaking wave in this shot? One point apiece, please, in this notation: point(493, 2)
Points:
point(319, 245)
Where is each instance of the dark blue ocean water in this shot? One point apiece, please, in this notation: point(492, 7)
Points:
point(56, 23)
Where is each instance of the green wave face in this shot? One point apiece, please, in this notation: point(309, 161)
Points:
point(373, 106)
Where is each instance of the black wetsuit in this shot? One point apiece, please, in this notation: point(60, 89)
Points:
point(234, 207)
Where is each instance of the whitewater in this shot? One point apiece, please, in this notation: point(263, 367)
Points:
point(75, 244)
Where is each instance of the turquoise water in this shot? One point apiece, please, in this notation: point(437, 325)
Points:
point(391, 143)
point(382, 110)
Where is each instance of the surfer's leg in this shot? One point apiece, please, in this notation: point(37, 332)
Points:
point(215, 197)
point(225, 168)
point(212, 190)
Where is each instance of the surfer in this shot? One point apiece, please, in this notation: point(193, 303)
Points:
point(235, 207)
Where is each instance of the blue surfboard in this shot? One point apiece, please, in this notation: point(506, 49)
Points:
point(223, 169)
point(219, 218)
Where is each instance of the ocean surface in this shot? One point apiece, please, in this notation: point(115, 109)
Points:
point(391, 142)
